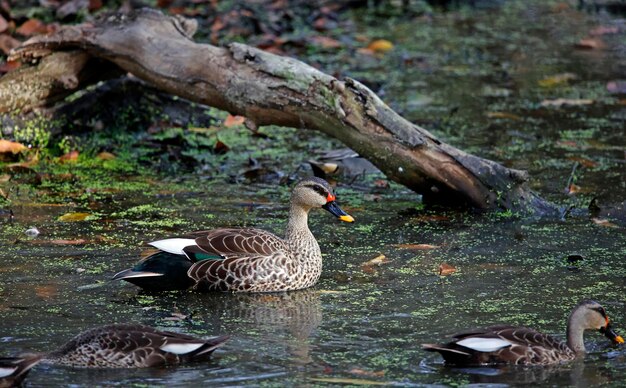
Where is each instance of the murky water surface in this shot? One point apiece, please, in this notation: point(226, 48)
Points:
point(367, 322)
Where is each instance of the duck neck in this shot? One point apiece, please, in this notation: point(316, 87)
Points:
point(575, 331)
point(297, 226)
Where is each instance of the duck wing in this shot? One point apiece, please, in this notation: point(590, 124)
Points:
point(249, 259)
point(503, 344)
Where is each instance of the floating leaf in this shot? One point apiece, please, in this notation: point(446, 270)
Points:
point(590, 44)
point(71, 156)
point(503, 115)
point(325, 42)
point(46, 291)
point(32, 27)
point(78, 241)
point(73, 217)
point(446, 269)
point(573, 189)
point(233, 120)
point(367, 373)
point(105, 156)
point(558, 79)
point(378, 260)
point(380, 46)
point(339, 380)
point(604, 222)
point(12, 147)
point(417, 247)
point(566, 101)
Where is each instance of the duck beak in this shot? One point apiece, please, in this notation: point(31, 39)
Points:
point(611, 334)
point(335, 210)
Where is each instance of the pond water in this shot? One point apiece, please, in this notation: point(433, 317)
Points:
point(363, 323)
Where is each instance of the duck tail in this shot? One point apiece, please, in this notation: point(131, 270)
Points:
point(161, 271)
point(13, 370)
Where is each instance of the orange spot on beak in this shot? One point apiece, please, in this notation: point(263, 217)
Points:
point(330, 197)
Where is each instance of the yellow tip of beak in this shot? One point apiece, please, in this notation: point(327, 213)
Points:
point(349, 218)
point(619, 339)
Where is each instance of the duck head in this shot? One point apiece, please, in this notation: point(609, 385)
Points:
point(596, 318)
point(316, 192)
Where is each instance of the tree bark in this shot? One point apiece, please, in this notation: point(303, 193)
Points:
point(270, 89)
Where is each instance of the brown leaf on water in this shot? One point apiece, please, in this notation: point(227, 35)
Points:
point(78, 241)
point(73, 217)
point(380, 46)
point(71, 156)
point(105, 156)
point(7, 146)
point(557, 79)
point(573, 189)
point(566, 101)
point(340, 380)
point(583, 161)
point(604, 222)
point(446, 269)
point(378, 260)
point(590, 44)
point(32, 27)
point(417, 247)
point(47, 291)
point(503, 115)
point(325, 42)
point(233, 120)
point(366, 373)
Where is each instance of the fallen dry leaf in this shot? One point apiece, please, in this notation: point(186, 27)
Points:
point(566, 101)
point(380, 46)
point(105, 156)
point(7, 146)
point(604, 222)
point(325, 42)
point(233, 120)
point(417, 247)
point(78, 241)
point(503, 115)
point(46, 291)
point(590, 44)
point(378, 260)
point(573, 189)
point(367, 373)
point(558, 79)
point(73, 217)
point(446, 269)
point(32, 27)
point(71, 156)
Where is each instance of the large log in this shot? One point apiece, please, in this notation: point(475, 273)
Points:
point(271, 89)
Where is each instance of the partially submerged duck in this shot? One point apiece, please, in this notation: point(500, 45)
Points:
point(246, 259)
point(505, 344)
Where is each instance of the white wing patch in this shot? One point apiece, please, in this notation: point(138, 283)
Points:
point(173, 245)
point(4, 372)
point(484, 344)
point(181, 348)
point(142, 275)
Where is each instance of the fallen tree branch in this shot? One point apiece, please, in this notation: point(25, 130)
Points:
point(270, 89)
